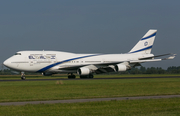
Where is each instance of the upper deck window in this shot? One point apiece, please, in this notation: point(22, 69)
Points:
point(17, 53)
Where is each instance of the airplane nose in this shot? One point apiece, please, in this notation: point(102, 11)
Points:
point(6, 63)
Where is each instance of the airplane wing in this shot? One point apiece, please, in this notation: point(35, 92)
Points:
point(111, 66)
point(70, 67)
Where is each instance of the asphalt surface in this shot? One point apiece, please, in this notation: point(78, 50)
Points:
point(90, 78)
point(87, 100)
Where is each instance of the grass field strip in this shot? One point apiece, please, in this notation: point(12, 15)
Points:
point(25, 91)
point(88, 100)
point(59, 77)
point(44, 79)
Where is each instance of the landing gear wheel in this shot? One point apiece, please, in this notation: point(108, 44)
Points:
point(82, 77)
point(86, 76)
point(71, 76)
point(23, 77)
point(91, 76)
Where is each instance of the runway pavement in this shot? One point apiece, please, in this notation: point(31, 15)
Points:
point(88, 100)
point(90, 78)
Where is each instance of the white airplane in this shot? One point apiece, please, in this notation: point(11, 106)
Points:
point(85, 65)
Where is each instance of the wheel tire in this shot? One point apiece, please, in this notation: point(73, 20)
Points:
point(23, 77)
point(86, 76)
point(91, 76)
point(71, 77)
point(82, 77)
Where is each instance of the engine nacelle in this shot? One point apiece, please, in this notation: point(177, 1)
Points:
point(120, 67)
point(47, 74)
point(83, 71)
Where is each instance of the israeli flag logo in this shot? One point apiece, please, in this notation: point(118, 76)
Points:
point(146, 43)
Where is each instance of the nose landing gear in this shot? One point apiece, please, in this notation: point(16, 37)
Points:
point(23, 76)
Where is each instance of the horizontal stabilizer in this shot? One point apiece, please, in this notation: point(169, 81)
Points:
point(170, 58)
point(153, 60)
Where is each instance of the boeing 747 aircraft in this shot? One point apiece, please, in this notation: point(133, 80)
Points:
point(85, 65)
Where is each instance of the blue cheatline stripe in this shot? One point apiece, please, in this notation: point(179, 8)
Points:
point(154, 34)
point(55, 64)
point(142, 49)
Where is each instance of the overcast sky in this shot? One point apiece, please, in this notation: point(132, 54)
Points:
point(89, 26)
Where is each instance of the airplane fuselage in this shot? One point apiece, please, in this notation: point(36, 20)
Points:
point(53, 61)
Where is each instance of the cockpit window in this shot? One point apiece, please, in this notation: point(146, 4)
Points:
point(17, 53)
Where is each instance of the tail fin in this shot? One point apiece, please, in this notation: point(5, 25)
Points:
point(144, 46)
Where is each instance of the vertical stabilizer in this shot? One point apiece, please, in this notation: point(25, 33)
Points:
point(144, 46)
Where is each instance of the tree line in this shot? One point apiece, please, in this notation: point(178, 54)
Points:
point(138, 70)
point(154, 70)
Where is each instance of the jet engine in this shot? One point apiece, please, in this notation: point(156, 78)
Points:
point(120, 68)
point(83, 71)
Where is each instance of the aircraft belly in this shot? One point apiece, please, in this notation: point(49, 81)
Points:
point(62, 71)
point(30, 68)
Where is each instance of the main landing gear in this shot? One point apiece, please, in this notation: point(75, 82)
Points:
point(71, 76)
point(23, 76)
point(86, 76)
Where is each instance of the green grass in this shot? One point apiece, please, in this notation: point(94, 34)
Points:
point(75, 89)
point(150, 107)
